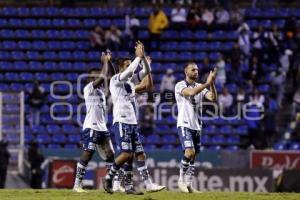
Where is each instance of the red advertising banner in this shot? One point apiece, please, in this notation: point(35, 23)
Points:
point(62, 173)
point(275, 160)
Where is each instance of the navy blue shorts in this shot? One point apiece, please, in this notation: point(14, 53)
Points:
point(189, 138)
point(128, 138)
point(90, 138)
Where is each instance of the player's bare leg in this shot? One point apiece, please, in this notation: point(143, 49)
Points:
point(144, 173)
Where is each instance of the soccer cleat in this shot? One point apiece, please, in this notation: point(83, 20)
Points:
point(107, 185)
point(193, 190)
point(133, 192)
point(182, 186)
point(117, 187)
point(79, 189)
point(154, 187)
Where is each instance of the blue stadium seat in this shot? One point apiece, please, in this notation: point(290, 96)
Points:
point(6, 33)
point(280, 146)
point(9, 45)
point(15, 22)
point(49, 55)
point(185, 46)
point(57, 76)
point(295, 146)
point(233, 139)
point(105, 23)
point(22, 33)
point(65, 55)
point(20, 65)
point(226, 130)
point(201, 35)
point(79, 55)
point(169, 139)
point(70, 129)
point(54, 45)
point(9, 11)
point(30, 22)
point(65, 65)
point(59, 22)
point(72, 76)
point(18, 55)
point(53, 129)
point(186, 34)
point(39, 45)
point(38, 34)
point(156, 55)
point(32, 55)
point(241, 130)
point(143, 35)
point(232, 148)
point(26, 76)
point(264, 88)
point(16, 86)
point(210, 129)
point(38, 130)
point(12, 76)
point(153, 139)
point(201, 46)
point(205, 139)
point(38, 11)
point(93, 55)
point(43, 138)
point(44, 22)
point(170, 34)
point(41, 76)
point(89, 22)
point(59, 138)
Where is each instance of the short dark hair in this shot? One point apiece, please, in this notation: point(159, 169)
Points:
point(121, 60)
point(93, 69)
point(189, 63)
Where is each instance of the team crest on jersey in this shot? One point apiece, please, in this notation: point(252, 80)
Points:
point(187, 143)
point(125, 145)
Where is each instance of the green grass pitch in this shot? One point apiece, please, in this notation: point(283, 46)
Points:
point(8, 194)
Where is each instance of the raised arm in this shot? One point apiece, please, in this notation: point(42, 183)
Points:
point(139, 53)
point(196, 90)
point(147, 82)
point(212, 95)
point(105, 58)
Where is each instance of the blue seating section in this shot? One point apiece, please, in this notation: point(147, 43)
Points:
point(51, 44)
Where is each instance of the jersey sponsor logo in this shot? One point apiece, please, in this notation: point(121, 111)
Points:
point(125, 146)
point(188, 144)
point(91, 146)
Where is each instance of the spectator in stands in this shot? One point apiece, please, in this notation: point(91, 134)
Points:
point(236, 16)
point(178, 16)
point(4, 160)
point(222, 16)
point(37, 99)
point(275, 37)
point(285, 60)
point(35, 159)
point(256, 71)
point(221, 71)
point(278, 79)
point(257, 99)
point(147, 120)
point(241, 96)
point(194, 16)
point(158, 22)
point(207, 17)
point(296, 102)
point(258, 40)
point(97, 39)
point(167, 86)
point(225, 101)
point(132, 26)
point(235, 59)
point(113, 38)
point(270, 110)
point(244, 41)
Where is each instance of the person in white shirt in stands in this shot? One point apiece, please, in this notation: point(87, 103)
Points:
point(257, 98)
point(244, 40)
point(167, 86)
point(189, 96)
point(207, 17)
point(225, 101)
point(178, 16)
point(221, 68)
point(222, 16)
point(123, 87)
point(95, 135)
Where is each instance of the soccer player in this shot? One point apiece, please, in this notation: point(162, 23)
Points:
point(140, 156)
point(95, 135)
point(189, 96)
point(122, 88)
